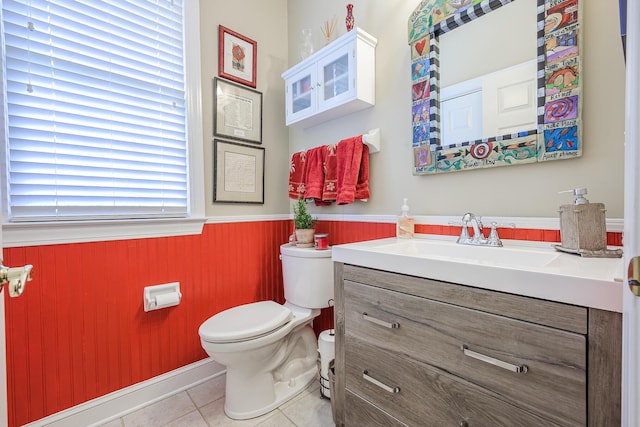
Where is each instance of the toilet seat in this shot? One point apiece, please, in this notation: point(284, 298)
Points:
point(245, 322)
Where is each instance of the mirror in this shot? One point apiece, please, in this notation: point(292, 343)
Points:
point(491, 74)
point(488, 75)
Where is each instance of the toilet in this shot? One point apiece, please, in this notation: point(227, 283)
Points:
point(270, 350)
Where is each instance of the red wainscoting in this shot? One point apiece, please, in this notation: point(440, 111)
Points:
point(79, 331)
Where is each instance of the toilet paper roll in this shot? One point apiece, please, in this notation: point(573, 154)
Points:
point(167, 300)
point(326, 347)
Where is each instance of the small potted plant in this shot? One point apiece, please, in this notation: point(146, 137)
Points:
point(304, 224)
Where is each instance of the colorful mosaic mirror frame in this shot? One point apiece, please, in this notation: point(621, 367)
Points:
point(559, 107)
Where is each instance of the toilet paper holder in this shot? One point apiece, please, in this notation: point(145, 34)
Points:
point(161, 296)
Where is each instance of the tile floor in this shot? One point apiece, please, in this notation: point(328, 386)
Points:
point(202, 406)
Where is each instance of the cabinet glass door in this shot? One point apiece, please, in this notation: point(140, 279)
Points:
point(301, 94)
point(337, 79)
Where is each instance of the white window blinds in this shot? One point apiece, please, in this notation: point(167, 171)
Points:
point(95, 109)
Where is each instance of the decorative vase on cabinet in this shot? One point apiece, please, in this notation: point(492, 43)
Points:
point(349, 20)
point(306, 46)
point(336, 80)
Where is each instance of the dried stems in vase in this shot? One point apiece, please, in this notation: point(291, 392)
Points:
point(328, 27)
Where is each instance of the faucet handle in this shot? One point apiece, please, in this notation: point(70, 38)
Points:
point(464, 233)
point(494, 239)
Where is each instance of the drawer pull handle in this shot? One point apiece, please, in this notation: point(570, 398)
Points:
point(365, 375)
point(393, 325)
point(497, 362)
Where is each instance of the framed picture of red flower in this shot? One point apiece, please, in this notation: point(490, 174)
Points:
point(237, 57)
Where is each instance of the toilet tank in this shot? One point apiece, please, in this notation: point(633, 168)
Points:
point(308, 276)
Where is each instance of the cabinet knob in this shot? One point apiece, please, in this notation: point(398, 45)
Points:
point(463, 423)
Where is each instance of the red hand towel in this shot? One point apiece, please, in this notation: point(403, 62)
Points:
point(314, 180)
point(297, 174)
point(330, 188)
point(362, 187)
point(349, 158)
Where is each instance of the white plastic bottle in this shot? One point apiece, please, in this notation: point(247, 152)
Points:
point(405, 226)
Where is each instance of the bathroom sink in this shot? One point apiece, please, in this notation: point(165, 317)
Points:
point(532, 269)
point(445, 250)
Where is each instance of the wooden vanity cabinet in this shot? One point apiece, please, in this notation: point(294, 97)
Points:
point(419, 352)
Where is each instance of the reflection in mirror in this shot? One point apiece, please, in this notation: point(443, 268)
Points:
point(488, 75)
point(498, 40)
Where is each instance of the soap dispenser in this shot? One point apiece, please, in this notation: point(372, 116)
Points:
point(405, 226)
point(583, 228)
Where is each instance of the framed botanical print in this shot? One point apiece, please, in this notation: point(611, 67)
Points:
point(237, 56)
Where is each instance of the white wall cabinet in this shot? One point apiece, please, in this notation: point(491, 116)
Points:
point(338, 79)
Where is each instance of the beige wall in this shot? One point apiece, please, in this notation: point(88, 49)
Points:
point(514, 28)
point(266, 23)
point(524, 190)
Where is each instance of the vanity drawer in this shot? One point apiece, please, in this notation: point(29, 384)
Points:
point(362, 413)
point(425, 396)
point(434, 333)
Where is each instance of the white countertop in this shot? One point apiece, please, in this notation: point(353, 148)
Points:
point(522, 268)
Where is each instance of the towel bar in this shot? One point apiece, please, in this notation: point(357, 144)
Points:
point(372, 139)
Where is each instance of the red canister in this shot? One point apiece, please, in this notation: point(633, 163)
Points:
point(322, 241)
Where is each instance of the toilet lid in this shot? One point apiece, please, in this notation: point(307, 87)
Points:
point(245, 321)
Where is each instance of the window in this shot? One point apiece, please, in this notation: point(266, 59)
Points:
point(96, 109)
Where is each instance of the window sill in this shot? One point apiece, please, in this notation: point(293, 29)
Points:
point(48, 233)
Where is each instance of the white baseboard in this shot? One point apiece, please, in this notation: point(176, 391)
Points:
point(121, 402)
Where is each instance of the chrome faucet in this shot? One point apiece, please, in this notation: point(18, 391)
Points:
point(478, 235)
point(476, 224)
